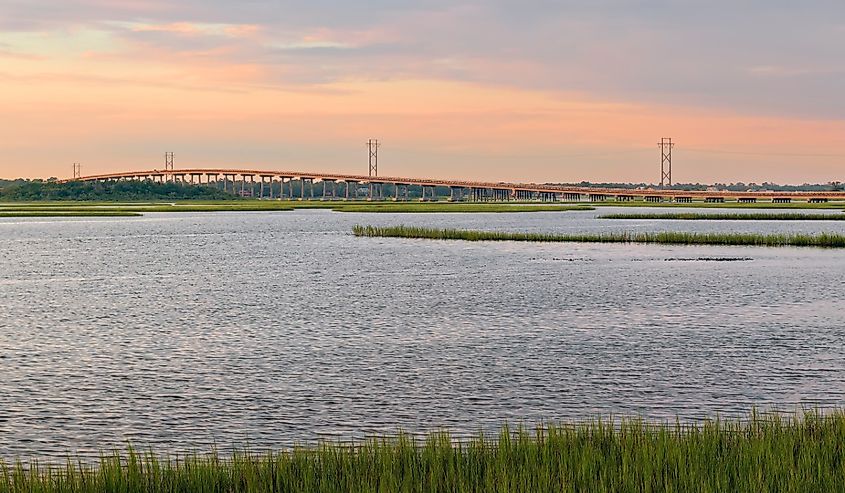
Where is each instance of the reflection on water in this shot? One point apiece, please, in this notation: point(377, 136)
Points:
point(179, 331)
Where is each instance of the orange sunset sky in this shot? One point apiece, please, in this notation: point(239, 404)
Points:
point(522, 91)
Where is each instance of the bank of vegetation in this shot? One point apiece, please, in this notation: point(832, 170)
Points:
point(736, 216)
point(81, 208)
point(40, 190)
point(446, 207)
point(62, 213)
point(761, 453)
point(722, 205)
point(825, 240)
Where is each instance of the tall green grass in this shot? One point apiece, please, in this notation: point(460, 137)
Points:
point(762, 453)
point(826, 240)
point(741, 216)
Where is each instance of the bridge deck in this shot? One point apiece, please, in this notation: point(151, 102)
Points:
point(428, 182)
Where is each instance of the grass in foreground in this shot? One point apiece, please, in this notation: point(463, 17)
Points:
point(825, 240)
point(762, 453)
point(760, 216)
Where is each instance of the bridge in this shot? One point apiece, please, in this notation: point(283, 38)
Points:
point(292, 185)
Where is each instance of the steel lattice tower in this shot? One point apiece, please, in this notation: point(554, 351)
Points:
point(372, 147)
point(665, 146)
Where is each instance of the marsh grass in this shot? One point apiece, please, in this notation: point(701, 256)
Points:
point(458, 207)
point(765, 452)
point(102, 209)
point(825, 240)
point(67, 213)
point(738, 216)
point(723, 205)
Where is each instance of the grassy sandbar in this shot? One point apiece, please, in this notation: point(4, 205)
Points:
point(272, 205)
point(739, 216)
point(825, 240)
point(67, 213)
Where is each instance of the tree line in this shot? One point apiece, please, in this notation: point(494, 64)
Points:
point(39, 190)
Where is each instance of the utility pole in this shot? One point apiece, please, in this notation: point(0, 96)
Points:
point(372, 147)
point(168, 161)
point(77, 171)
point(665, 146)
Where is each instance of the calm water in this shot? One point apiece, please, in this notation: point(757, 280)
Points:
point(180, 331)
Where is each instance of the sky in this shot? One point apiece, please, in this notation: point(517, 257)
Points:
point(532, 90)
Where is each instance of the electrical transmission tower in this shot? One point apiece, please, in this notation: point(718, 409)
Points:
point(665, 146)
point(372, 146)
point(168, 161)
point(77, 171)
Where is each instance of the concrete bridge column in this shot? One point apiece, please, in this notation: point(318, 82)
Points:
point(456, 194)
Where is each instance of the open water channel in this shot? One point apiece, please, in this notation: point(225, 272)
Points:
point(182, 331)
